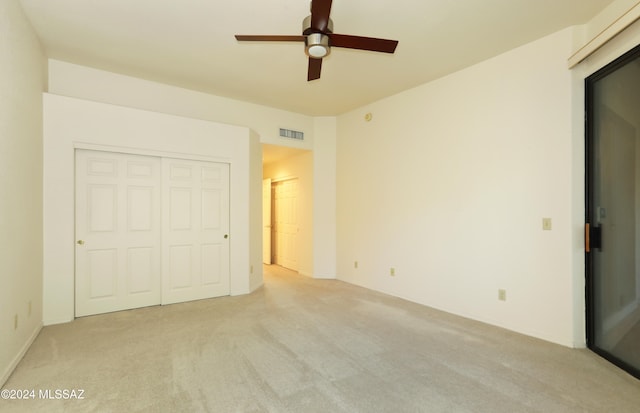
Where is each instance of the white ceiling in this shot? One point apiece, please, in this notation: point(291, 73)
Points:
point(190, 43)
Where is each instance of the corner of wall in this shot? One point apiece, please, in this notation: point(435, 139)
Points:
point(255, 213)
point(324, 198)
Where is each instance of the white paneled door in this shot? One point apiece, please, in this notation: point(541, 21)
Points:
point(117, 231)
point(285, 219)
point(195, 235)
point(266, 221)
point(149, 231)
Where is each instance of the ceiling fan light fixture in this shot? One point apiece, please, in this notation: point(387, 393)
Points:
point(317, 45)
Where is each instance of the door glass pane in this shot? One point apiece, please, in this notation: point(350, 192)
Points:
point(614, 210)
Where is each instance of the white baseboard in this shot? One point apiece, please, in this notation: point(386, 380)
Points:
point(54, 322)
point(14, 363)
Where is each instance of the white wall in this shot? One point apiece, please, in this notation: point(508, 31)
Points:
point(71, 123)
point(449, 182)
point(299, 167)
point(91, 84)
point(22, 81)
point(324, 198)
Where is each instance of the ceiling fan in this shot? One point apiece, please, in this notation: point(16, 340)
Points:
point(318, 37)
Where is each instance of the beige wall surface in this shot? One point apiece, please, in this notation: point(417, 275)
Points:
point(22, 81)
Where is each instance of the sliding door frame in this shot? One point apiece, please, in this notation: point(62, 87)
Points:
point(591, 233)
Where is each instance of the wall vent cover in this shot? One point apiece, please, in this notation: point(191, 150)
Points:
point(291, 134)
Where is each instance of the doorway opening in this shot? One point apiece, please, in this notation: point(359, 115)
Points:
point(613, 211)
point(287, 202)
point(284, 223)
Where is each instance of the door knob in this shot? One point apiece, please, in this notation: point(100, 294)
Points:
point(80, 242)
point(226, 236)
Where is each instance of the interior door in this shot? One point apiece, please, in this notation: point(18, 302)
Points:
point(117, 232)
point(266, 221)
point(285, 219)
point(195, 230)
point(613, 212)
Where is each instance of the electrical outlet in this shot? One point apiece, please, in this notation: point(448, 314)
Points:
point(546, 224)
point(392, 272)
point(502, 295)
point(355, 265)
point(15, 322)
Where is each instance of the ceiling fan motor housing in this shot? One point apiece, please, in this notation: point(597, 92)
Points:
point(316, 43)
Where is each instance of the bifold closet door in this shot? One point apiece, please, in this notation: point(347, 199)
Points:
point(195, 234)
point(149, 231)
point(117, 231)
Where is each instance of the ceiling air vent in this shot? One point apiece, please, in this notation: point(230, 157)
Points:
point(292, 134)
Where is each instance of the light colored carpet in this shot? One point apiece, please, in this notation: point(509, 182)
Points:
point(304, 345)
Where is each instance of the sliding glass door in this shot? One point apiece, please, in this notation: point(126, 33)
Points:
point(613, 211)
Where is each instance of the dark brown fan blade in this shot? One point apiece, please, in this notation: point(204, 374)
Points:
point(320, 10)
point(268, 38)
point(315, 65)
point(363, 43)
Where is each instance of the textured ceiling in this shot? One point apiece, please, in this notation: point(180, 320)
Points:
point(190, 43)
